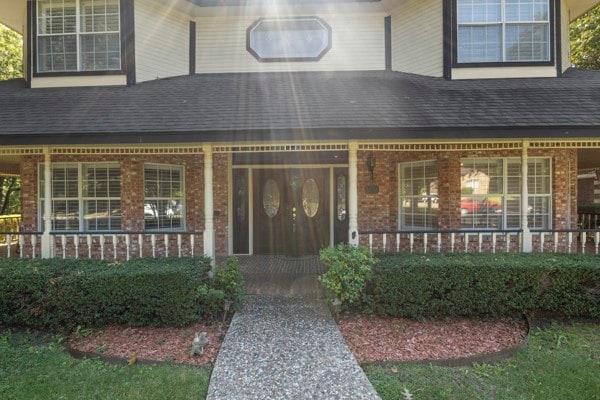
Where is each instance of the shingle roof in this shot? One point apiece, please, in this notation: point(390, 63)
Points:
point(273, 106)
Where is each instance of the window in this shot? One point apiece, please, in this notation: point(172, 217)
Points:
point(78, 35)
point(491, 193)
point(293, 39)
point(418, 208)
point(503, 31)
point(85, 197)
point(164, 206)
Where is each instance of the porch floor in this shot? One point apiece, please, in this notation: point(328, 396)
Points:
point(280, 275)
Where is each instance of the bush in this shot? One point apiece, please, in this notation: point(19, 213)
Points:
point(486, 285)
point(348, 269)
point(62, 294)
point(229, 279)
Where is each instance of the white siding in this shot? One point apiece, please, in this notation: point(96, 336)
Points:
point(503, 72)
point(73, 81)
point(566, 40)
point(161, 42)
point(418, 37)
point(357, 44)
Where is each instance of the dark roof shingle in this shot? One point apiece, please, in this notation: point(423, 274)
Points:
point(318, 104)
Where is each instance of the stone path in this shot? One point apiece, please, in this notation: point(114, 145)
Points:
point(286, 348)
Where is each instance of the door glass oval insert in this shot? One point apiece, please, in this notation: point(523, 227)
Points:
point(341, 197)
point(271, 198)
point(310, 198)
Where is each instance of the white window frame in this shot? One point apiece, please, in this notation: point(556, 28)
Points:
point(433, 198)
point(80, 198)
point(503, 24)
point(170, 167)
point(505, 196)
point(78, 34)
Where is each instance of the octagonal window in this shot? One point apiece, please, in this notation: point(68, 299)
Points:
point(291, 39)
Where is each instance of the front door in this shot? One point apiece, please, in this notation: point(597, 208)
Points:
point(291, 211)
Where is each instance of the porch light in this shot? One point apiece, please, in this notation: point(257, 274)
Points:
point(371, 163)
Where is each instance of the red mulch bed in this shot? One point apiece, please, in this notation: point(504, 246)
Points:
point(371, 339)
point(161, 344)
point(376, 339)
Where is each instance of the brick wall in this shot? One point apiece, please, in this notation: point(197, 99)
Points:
point(132, 200)
point(377, 211)
point(380, 211)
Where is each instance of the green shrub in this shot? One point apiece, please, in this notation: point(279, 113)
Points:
point(62, 294)
point(212, 301)
point(229, 280)
point(482, 285)
point(348, 269)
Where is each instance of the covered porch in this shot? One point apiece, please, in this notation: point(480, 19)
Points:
point(293, 199)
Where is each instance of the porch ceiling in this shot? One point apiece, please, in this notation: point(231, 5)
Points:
point(588, 158)
point(9, 165)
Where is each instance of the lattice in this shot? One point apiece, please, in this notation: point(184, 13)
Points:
point(127, 150)
point(566, 144)
point(456, 146)
point(272, 148)
point(21, 151)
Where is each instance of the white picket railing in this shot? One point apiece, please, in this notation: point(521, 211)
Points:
point(455, 241)
point(104, 245)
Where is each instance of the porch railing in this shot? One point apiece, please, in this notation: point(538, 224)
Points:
point(588, 220)
point(105, 245)
point(9, 224)
point(472, 241)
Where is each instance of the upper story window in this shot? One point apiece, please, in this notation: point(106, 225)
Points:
point(288, 39)
point(503, 31)
point(78, 35)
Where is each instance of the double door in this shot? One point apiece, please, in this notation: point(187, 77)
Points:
point(291, 210)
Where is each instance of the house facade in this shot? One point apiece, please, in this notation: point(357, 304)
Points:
point(170, 128)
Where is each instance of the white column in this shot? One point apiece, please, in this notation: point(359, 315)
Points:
point(47, 216)
point(526, 239)
point(353, 193)
point(209, 225)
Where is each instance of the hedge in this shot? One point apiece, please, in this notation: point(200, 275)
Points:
point(486, 285)
point(62, 294)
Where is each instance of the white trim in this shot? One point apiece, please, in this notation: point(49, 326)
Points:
point(375, 145)
point(526, 239)
point(332, 215)
point(353, 193)
point(47, 215)
point(250, 211)
point(209, 224)
point(230, 206)
point(289, 166)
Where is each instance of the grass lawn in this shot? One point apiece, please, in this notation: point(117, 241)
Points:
point(34, 369)
point(561, 362)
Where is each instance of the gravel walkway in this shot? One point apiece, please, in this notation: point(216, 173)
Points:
point(286, 348)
